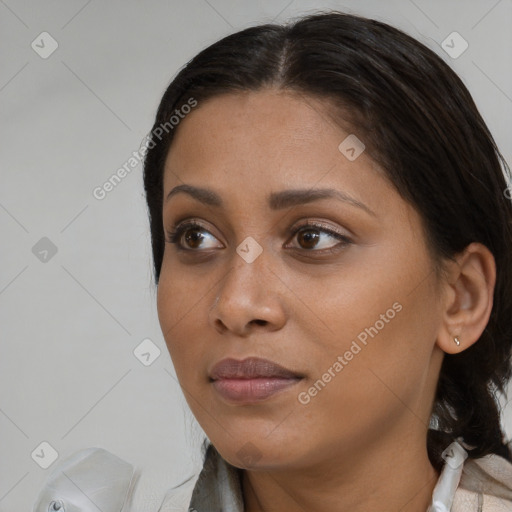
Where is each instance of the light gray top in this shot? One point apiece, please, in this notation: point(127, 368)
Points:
point(464, 485)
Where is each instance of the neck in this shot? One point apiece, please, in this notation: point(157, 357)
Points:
point(389, 476)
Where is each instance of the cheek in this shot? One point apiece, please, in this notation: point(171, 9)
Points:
point(378, 380)
point(177, 306)
point(353, 303)
point(168, 304)
point(180, 293)
point(380, 322)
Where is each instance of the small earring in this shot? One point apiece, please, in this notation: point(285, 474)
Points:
point(457, 341)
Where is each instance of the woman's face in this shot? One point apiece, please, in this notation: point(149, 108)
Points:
point(349, 304)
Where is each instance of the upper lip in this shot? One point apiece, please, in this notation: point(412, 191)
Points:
point(251, 367)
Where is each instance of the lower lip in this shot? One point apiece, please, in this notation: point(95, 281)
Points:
point(252, 390)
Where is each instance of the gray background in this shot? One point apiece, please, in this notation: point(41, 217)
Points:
point(70, 324)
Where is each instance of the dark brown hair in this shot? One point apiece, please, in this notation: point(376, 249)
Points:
point(420, 124)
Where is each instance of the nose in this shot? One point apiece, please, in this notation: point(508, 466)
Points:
point(249, 297)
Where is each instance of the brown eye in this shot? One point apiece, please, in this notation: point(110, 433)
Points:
point(315, 238)
point(191, 233)
point(308, 237)
point(193, 237)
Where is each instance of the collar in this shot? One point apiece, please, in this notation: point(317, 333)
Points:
point(219, 485)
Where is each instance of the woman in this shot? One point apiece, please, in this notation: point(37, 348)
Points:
point(332, 244)
point(331, 237)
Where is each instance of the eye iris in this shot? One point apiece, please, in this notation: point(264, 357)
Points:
point(195, 239)
point(309, 236)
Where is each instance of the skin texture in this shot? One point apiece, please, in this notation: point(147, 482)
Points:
point(359, 444)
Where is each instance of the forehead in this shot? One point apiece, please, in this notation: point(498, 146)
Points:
point(237, 108)
point(258, 134)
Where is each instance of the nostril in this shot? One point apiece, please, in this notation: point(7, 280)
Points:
point(260, 322)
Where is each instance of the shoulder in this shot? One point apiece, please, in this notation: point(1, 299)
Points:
point(485, 485)
point(468, 501)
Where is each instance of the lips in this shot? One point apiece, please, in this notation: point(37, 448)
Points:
point(250, 368)
point(251, 380)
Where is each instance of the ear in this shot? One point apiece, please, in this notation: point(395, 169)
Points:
point(468, 299)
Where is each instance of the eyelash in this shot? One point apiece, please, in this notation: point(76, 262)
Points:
point(173, 237)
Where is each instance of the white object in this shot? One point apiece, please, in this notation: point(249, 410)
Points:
point(444, 491)
point(88, 481)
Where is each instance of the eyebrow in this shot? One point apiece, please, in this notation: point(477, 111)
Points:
point(276, 200)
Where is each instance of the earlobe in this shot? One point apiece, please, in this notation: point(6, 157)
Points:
point(452, 343)
point(468, 298)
